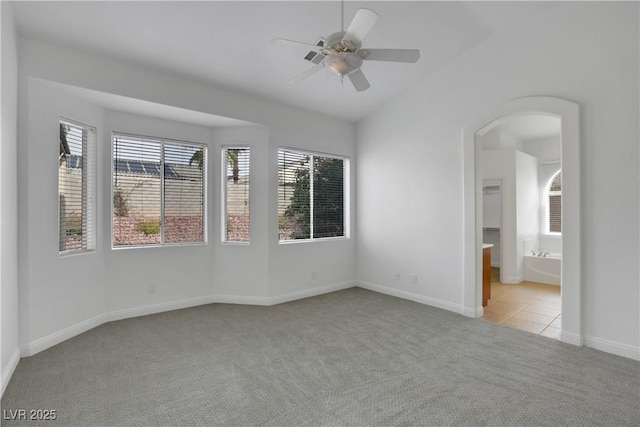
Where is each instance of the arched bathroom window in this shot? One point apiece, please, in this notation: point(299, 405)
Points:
point(554, 193)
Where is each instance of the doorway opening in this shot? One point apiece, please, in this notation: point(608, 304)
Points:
point(491, 131)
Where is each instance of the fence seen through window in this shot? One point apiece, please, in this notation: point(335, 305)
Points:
point(158, 191)
point(235, 194)
point(75, 187)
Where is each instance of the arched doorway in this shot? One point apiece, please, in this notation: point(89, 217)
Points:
point(568, 112)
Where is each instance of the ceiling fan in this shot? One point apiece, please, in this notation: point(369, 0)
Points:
point(342, 52)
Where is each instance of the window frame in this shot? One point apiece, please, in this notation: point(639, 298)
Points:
point(548, 194)
point(223, 193)
point(162, 141)
point(346, 195)
point(88, 190)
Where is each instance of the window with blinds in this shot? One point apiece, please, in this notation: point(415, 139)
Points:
point(76, 186)
point(235, 194)
point(312, 195)
point(555, 204)
point(158, 191)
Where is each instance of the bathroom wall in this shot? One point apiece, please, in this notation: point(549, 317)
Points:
point(548, 151)
point(520, 199)
point(527, 204)
point(500, 165)
point(492, 218)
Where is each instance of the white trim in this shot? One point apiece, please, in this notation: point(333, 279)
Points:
point(241, 300)
point(79, 328)
point(157, 308)
point(8, 371)
point(613, 347)
point(312, 292)
point(513, 279)
point(422, 299)
point(470, 312)
point(569, 112)
point(569, 338)
point(224, 156)
point(346, 193)
point(58, 337)
point(62, 335)
point(162, 142)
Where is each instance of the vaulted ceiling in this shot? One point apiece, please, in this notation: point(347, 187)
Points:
point(229, 43)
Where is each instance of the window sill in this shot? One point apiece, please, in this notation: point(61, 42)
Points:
point(170, 245)
point(68, 254)
point(230, 243)
point(321, 239)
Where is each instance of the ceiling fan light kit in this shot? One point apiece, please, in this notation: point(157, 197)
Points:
point(342, 53)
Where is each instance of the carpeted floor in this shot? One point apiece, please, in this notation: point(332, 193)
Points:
point(349, 358)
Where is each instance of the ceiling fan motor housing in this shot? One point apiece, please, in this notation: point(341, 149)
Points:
point(342, 58)
point(336, 43)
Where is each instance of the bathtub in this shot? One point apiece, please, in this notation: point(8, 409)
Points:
point(543, 269)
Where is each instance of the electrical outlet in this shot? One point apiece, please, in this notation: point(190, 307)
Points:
point(414, 279)
point(313, 275)
point(398, 276)
point(152, 289)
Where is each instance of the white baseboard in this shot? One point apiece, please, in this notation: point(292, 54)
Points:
point(513, 280)
point(434, 302)
point(146, 310)
point(571, 338)
point(612, 347)
point(50, 340)
point(473, 312)
point(279, 299)
point(241, 299)
point(7, 372)
point(74, 330)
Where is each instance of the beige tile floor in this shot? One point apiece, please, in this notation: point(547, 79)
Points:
point(529, 306)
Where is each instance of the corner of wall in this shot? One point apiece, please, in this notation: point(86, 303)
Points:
point(10, 354)
point(8, 370)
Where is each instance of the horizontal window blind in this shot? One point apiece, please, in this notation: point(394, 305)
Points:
point(76, 184)
point(235, 191)
point(328, 197)
point(183, 188)
point(294, 198)
point(312, 195)
point(158, 191)
point(555, 204)
point(555, 213)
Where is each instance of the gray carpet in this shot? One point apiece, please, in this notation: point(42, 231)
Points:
point(349, 358)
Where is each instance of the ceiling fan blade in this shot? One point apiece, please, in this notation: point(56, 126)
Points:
point(393, 55)
point(361, 25)
point(295, 43)
point(359, 81)
point(307, 73)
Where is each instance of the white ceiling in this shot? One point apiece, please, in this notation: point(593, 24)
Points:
point(229, 43)
point(532, 126)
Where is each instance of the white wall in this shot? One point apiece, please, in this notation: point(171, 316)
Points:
point(230, 260)
point(55, 292)
point(9, 352)
point(110, 284)
point(501, 164)
point(546, 149)
point(527, 204)
point(410, 161)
